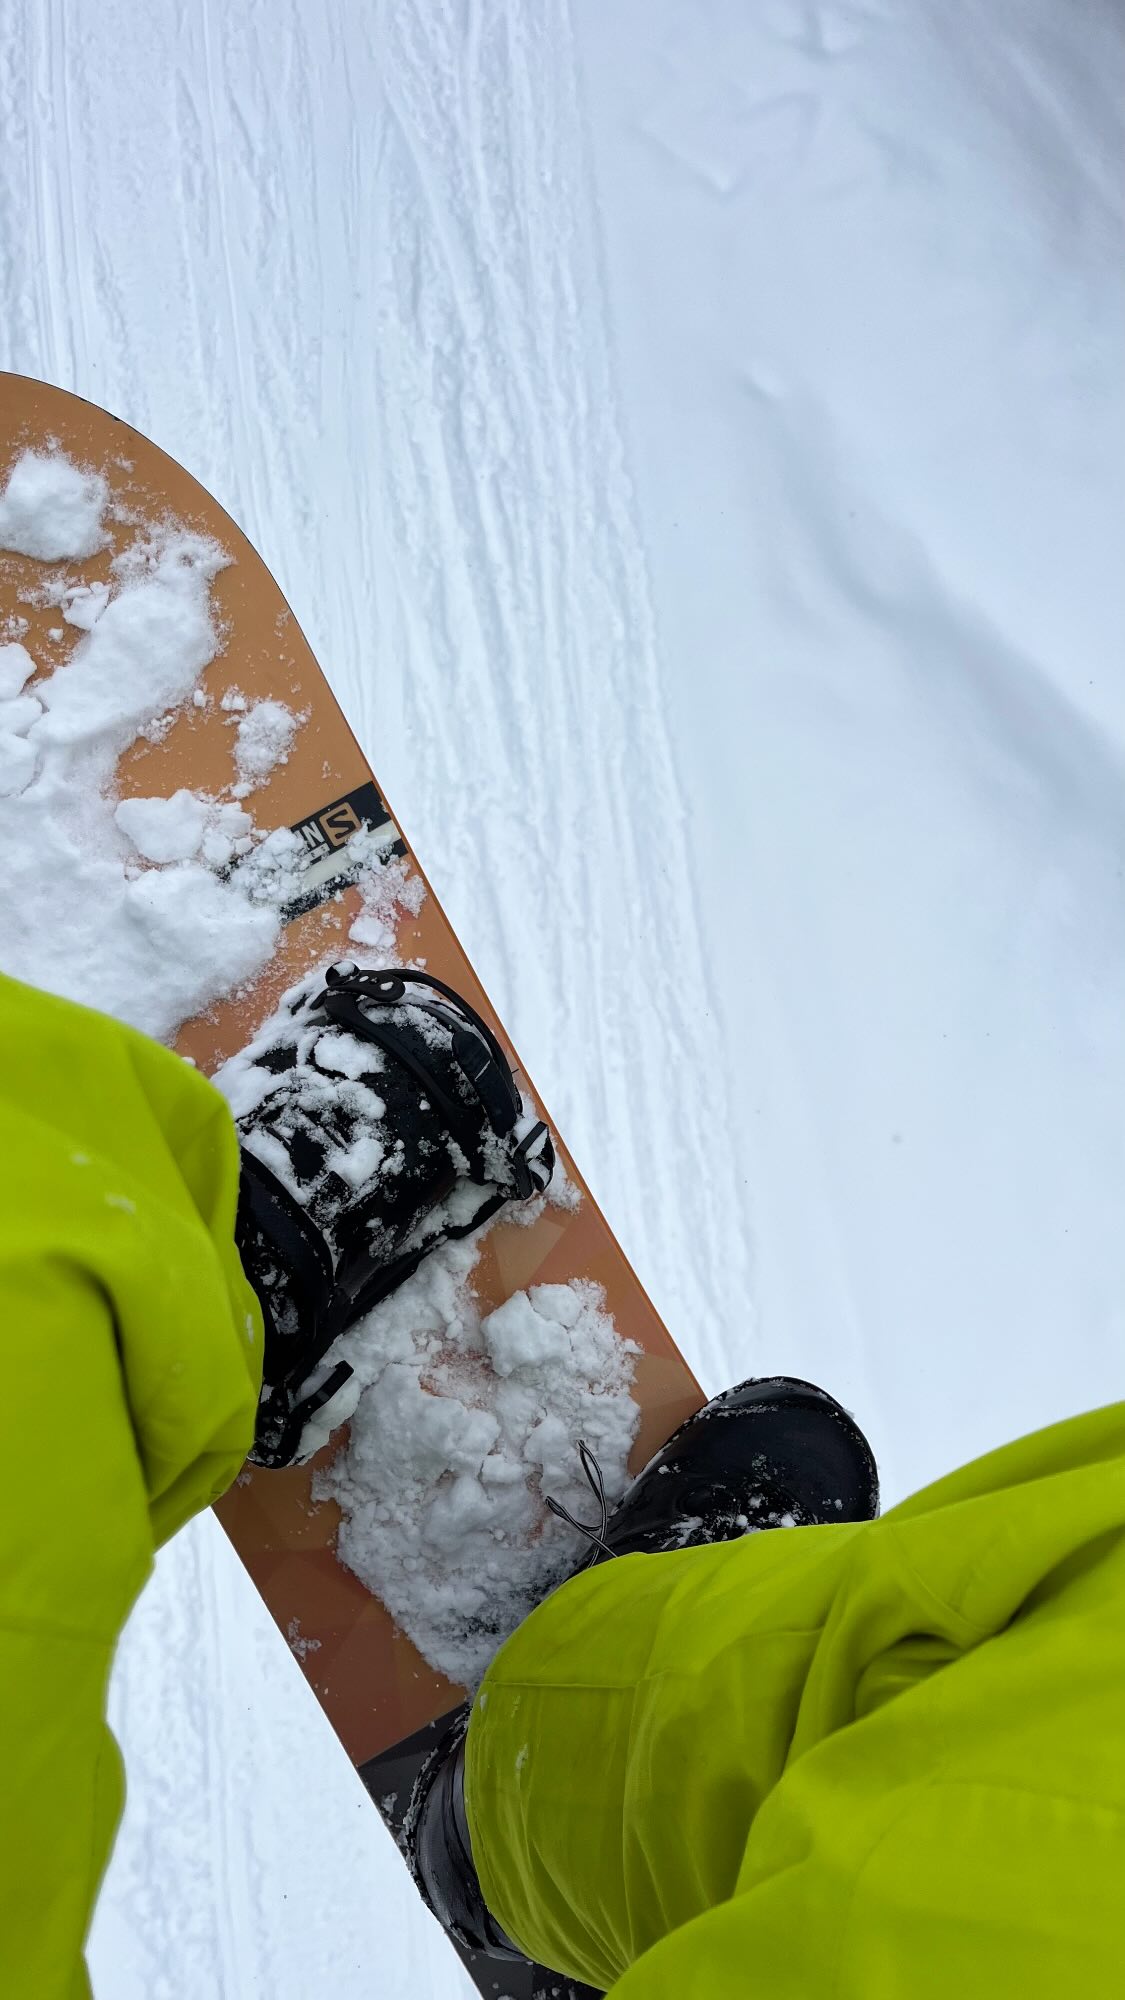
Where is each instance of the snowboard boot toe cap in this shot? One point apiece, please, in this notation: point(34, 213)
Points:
point(773, 1451)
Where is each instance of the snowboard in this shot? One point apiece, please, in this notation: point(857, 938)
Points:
point(382, 1699)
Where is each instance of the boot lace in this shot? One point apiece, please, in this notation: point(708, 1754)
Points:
point(595, 1536)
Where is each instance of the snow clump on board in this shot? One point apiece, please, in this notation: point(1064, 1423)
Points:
point(465, 1422)
point(51, 509)
point(121, 904)
point(264, 740)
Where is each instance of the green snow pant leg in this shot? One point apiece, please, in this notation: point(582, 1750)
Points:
point(130, 1358)
point(882, 1761)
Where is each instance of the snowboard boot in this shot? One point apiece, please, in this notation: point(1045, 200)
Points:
point(771, 1453)
point(378, 1117)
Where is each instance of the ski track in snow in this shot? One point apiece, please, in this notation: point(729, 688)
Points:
point(345, 269)
point(518, 596)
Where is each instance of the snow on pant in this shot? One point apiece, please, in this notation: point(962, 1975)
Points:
point(861, 1761)
point(131, 1348)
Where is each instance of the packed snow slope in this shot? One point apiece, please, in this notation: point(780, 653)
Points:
point(690, 436)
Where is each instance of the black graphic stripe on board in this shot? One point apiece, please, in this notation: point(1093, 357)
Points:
point(326, 833)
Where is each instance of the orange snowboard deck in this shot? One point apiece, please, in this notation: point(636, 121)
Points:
point(372, 1683)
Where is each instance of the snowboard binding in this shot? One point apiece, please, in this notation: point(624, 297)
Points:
point(385, 1120)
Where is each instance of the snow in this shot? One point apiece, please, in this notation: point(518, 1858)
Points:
point(263, 741)
point(499, 1402)
point(861, 278)
point(17, 763)
point(691, 440)
point(152, 945)
point(86, 602)
point(16, 667)
point(143, 656)
point(51, 508)
point(17, 716)
point(164, 829)
point(344, 1054)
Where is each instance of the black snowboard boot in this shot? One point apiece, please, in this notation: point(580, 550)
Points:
point(378, 1117)
point(770, 1453)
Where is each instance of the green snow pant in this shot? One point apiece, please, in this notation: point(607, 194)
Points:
point(858, 1761)
point(131, 1346)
